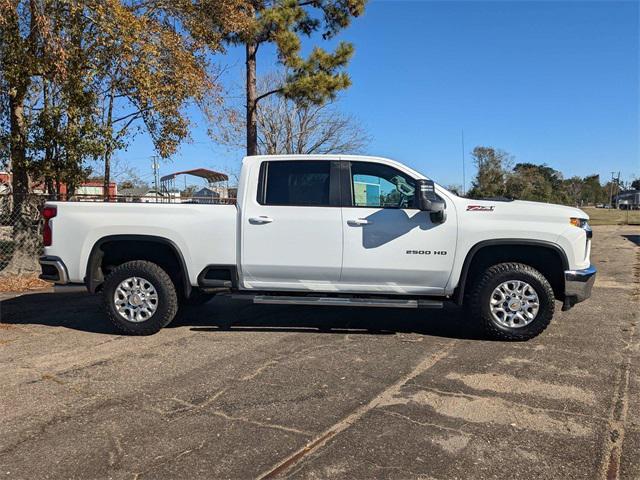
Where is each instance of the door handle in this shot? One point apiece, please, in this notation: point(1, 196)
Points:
point(359, 221)
point(260, 220)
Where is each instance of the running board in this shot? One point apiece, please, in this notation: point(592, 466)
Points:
point(346, 302)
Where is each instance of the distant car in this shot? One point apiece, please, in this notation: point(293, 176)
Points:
point(599, 205)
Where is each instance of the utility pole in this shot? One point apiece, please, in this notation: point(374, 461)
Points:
point(156, 168)
point(464, 178)
point(613, 180)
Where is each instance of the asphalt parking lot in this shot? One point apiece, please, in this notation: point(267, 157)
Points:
point(234, 390)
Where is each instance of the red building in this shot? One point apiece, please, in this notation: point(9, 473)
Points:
point(88, 188)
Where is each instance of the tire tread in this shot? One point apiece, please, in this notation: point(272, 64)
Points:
point(477, 298)
point(161, 281)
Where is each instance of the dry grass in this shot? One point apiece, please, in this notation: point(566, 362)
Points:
point(603, 216)
point(22, 283)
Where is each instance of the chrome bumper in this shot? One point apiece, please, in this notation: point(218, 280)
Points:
point(54, 270)
point(578, 285)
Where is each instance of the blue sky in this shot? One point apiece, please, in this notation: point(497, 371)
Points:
point(548, 81)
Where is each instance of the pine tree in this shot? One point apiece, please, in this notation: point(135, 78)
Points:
point(311, 80)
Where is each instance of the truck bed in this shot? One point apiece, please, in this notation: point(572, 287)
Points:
point(204, 234)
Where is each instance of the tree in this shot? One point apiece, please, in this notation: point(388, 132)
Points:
point(455, 189)
point(76, 75)
point(313, 80)
point(285, 126)
point(635, 184)
point(572, 188)
point(492, 172)
point(109, 65)
point(152, 63)
point(32, 55)
point(528, 181)
point(536, 182)
point(592, 191)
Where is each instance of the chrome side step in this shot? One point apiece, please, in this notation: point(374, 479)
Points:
point(346, 302)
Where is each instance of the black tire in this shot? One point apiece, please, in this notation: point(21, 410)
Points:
point(480, 298)
point(167, 298)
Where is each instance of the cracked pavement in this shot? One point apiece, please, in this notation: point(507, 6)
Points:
point(321, 392)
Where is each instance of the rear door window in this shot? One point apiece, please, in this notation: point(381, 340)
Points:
point(295, 183)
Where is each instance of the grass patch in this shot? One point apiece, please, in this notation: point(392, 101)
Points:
point(603, 216)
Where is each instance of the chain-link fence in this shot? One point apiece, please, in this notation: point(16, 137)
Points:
point(20, 234)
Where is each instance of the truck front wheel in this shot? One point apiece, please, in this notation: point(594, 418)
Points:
point(139, 298)
point(512, 301)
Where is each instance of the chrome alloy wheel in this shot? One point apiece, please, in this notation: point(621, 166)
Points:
point(514, 304)
point(135, 299)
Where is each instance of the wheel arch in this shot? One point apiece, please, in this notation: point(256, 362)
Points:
point(94, 276)
point(520, 249)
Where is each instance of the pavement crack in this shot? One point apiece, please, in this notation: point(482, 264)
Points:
point(260, 424)
point(612, 450)
point(425, 424)
point(48, 377)
point(117, 453)
point(383, 397)
point(471, 396)
point(259, 370)
point(212, 398)
point(137, 475)
point(279, 358)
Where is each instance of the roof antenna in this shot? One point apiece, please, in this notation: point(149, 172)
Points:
point(464, 180)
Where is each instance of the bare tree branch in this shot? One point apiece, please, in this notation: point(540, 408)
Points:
point(285, 127)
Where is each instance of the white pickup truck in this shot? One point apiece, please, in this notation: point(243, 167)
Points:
point(326, 230)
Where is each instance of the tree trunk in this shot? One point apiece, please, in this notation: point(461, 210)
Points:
point(26, 239)
point(20, 181)
point(252, 120)
point(107, 153)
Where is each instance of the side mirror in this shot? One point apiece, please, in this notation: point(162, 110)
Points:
point(428, 201)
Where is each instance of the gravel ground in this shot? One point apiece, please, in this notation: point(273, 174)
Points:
point(324, 392)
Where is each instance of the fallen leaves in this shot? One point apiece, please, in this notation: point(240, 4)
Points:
point(22, 283)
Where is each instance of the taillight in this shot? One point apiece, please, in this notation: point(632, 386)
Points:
point(47, 235)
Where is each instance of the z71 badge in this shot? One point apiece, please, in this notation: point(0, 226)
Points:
point(480, 208)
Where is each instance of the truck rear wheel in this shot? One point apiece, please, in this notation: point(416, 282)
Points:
point(139, 298)
point(512, 301)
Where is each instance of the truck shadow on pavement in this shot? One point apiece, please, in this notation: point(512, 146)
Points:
point(633, 238)
point(82, 311)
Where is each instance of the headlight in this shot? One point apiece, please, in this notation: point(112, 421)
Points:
point(579, 222)
point(582, 223)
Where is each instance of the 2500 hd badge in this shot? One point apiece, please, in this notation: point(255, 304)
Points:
point(426, 252)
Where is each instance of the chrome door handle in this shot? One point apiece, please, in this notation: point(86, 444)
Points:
point(260, 220)
point(359, 221)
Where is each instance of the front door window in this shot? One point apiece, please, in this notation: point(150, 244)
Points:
point(376, 185)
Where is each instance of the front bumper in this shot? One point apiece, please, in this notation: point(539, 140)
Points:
point(54, 270)
point(578, 285)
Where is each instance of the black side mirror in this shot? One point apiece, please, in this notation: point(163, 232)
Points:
point(428, 201)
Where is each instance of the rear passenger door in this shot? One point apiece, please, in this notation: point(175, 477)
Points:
point(292, 228)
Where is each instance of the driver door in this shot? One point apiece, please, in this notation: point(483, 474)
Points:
point(389, 245)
